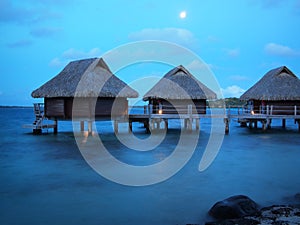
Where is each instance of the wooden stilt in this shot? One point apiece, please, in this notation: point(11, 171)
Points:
point(81, 125)
point(158, 124)
point(226, 120)
point(269, 121)
point(197, 124)
point(129, 126)
point(255, 124)
point(185, 123)
point(166, 124)
point(189, 125)
point(147, 126)
point(90, 128)
point(283, 123)
point(264, 125)
point(116, 126)
point(55, 127)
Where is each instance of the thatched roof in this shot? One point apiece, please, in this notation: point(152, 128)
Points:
point(179, 83)
point(85, 78)
point(278, 84)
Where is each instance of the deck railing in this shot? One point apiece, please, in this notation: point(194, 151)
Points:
point(167, 109)
point(270, 110)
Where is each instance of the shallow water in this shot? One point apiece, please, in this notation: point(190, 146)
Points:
point(45, 180)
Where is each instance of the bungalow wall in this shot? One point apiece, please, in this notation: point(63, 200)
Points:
point(62, 108)
point(286, 107)
point(178, 106)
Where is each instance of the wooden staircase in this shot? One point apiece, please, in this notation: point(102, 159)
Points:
point(40, 122)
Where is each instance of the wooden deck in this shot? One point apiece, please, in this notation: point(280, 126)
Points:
point(152, 119)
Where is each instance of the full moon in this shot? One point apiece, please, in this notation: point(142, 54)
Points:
point(182, 14)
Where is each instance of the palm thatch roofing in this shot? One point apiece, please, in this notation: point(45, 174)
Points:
point(179, 83)
point(85, 78)
point(277, 84)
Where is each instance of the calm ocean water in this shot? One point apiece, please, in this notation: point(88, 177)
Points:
point(45, 180)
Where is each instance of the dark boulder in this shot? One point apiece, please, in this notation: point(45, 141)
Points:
point(234, 207)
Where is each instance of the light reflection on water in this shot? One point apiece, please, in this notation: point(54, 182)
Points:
point(44, 179)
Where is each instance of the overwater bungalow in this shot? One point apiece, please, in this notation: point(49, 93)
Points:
point(178, 95)
point(176, 91)
point(275, 96)
point(276, 93)
point(95, 89)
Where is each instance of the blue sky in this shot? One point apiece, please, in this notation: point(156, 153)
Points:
point(239, 40)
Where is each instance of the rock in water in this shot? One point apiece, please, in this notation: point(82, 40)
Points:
point(234, 207)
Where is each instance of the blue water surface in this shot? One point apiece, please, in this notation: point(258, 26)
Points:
point(45, 180)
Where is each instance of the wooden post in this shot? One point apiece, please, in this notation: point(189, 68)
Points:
point(189, 124)
point(158, 124)
point(81, 125)
point(166, 124)
point(295, 110)
point(283, 123)
point(267, 109)
point(55, 127)
point(197, 124)
point(150, 109)
point(264, 125)
point(129, 126)
point(90, 127)
point(116, 126)
point(269, 121)
point(226, 120)
point(255, 124)
point(190, 110)
point(271, 110)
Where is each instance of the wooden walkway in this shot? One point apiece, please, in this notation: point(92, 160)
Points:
point(152, 119)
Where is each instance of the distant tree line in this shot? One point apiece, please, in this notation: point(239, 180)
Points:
point(232, 102)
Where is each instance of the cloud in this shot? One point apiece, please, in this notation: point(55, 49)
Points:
point(20, 43)
point(45, 32)
point(232, 91)
point(232, 52)
point(280, 50)
point(73, 54)
point(198, 65)
point(24, 15)
point(177, 35)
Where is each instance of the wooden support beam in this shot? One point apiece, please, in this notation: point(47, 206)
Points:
point(264, 125)
point(116, 126)
point(129, 126)
point(55, 130)
point(185, 123)
point(157, 124)
point(81, 125)
point(166, 124)
point(197, 124)
point(226, 120)
point(269, 121)
point(90, 127)
point(283, 123)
